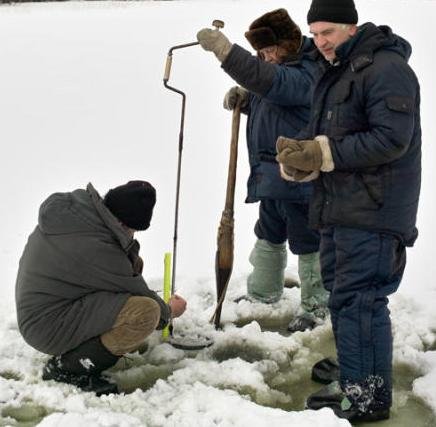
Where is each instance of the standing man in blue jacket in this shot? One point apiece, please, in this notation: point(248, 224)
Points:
point(275, 95)
point(364, 142)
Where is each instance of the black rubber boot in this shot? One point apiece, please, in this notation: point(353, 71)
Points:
point(82, 367)
point(291, 283)
point(332, 396)
point(325, 371)
point(301, 324)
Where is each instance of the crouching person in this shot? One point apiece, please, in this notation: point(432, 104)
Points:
point(80, 295)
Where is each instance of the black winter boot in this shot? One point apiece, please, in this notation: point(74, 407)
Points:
point(325, 371)
point(365, 408)
point(82, 367)
point(302, 323)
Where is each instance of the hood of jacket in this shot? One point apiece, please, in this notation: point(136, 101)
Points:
point(369, 39)
point(80, 211)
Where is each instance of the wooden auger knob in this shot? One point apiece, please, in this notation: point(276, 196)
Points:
point(218, 24)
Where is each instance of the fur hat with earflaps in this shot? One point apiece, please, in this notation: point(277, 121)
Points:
point(274, 28)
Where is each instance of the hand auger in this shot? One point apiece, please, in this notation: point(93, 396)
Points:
point(181, 342)
point(217, 24)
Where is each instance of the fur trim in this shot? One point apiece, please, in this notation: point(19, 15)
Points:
point(274, 28)
point(284, 175)
point(310, 177)
point(307, 178)
point(327, 158)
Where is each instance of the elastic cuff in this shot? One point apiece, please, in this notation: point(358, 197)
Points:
point(224, 52)
point(327, 158)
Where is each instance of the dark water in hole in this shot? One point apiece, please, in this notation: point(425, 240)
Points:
point(408, 410)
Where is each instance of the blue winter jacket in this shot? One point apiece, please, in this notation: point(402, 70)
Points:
point(368, 105)
point(279, 104)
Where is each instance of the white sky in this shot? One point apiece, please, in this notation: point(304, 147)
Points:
point(81, 99)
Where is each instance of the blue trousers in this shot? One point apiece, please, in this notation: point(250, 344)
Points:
point(360, 269)
point(281, 220)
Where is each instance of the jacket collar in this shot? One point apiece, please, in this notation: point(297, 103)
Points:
point(356, 51)
point(126, 241)
point(360, 49)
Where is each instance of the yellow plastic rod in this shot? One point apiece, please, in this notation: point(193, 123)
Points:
point(167, 288)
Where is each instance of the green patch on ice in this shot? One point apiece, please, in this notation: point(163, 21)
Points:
point(28, 414)
point(143, 377)
point(430, 346)
point(244, 351)
point(10, 375)
point(271, 398)
point(267, 324)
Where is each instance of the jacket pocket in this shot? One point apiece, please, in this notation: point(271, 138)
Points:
point(373, 183)
point(351, 199)
point(400, 104)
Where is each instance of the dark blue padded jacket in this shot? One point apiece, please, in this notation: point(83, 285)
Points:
point(279, 105)
point(368, 105)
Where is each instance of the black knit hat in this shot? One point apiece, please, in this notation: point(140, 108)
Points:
point(338, 11)
point(132, 203)
point(274, 28)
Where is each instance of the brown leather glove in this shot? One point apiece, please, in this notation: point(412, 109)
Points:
point(214, 41)
point(303, 155)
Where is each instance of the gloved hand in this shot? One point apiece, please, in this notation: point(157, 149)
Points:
point(295, 175)
point(232, 96)
point(304, 155)
point(214, 41)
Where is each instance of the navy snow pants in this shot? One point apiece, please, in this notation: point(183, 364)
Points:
point(360, 269)
point(281, 220)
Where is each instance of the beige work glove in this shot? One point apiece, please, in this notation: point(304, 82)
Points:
point(232, 96)
point(303, 155)
point(214, 41)
point(306, 155)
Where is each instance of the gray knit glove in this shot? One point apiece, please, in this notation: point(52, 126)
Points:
point(232, 96)
point(214, 41)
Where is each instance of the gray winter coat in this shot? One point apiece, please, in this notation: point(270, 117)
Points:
point(76, 273)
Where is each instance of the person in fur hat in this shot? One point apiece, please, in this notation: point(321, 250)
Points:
point(275, 94)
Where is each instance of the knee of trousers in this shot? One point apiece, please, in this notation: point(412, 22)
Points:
point(137, 319)
point(140, 312)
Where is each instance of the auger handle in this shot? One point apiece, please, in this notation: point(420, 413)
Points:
point(217, 23)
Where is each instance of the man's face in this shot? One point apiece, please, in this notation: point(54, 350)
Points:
point(328, 36)
point(273, 54)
